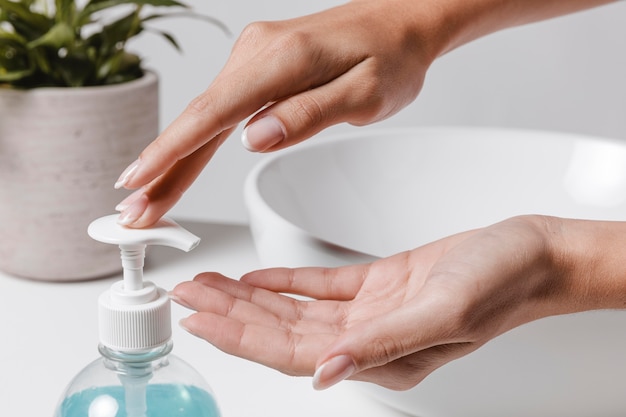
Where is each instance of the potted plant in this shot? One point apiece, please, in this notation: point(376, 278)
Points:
point(76, 107)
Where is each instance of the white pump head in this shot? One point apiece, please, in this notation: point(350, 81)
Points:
point(134, 314)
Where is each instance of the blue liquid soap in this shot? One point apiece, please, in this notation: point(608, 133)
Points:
point(162, 401)
point(151, 383)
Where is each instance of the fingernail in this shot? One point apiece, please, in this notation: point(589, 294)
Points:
point(130, 199)
point(134, 211)
point(126, 175)
point(333, 371)
point(177, 300)
point(263, 134)
point(183, 325)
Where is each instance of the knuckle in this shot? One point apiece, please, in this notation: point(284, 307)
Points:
point(371, 103)
point(307, 112)
point(203, 107)
point(277, 40)
point(253, 33)
point(377, 97)
point(199, 105)
point(292, 41)
point(384, 350)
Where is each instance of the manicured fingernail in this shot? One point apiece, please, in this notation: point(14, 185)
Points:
point(126, 175)
point(130, 199)
point(333, 371)
point(183, 325)
point(263, 134)
point(177, 300)
point(134, 211)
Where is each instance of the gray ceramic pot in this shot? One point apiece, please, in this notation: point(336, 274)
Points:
point(61, 150)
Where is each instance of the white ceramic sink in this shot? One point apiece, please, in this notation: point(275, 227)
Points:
point(373, 193)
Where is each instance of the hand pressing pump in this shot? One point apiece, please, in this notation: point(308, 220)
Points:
point(136, 376)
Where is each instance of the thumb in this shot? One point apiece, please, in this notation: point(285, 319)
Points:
point(300, 116)
point(378, 342)
point(359, 348)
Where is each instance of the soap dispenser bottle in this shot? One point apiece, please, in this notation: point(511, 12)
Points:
point(136, 376)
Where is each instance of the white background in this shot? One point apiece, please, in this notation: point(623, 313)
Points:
point(566, 74)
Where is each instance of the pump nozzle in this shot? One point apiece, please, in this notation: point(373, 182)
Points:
point(135, 314)
point(165, 232)
point(133, 242)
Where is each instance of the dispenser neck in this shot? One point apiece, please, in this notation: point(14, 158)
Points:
point(137, 358)
point(132, 263)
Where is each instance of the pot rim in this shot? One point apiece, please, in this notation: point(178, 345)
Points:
point(149, 77)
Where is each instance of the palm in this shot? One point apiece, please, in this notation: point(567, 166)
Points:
point(253, 319)
point(414, 311)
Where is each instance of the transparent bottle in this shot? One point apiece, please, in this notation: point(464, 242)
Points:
point(153, 383)
point(136, 375)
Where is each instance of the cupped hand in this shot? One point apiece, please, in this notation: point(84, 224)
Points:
point(358, 63)
point(393, 321)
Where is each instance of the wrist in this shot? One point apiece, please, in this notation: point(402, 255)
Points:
point(462, 21)
point(591, 255)
point(435, 27)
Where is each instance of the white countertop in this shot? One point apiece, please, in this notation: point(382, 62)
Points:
point(48, 333)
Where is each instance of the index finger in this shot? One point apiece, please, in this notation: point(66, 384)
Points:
point(265, 75)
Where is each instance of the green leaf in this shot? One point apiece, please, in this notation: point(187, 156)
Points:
point(15, 61)
point(76, 70)
point(122, 67)
point(111, 39)
point(65, 10)
point(33, 33)
point(27, 3)
point(110, 66)
point(43, 60)
point(7, 36)
point(192, 15)
point(167, 36)
point(112, 3)
point(60, 35)
point(120, 31)
point(97, 5)
point(27, 23)
point(129, 68)
point(95, 41)
point(11, 76)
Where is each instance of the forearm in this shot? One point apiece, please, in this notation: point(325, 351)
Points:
point(444, 25)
